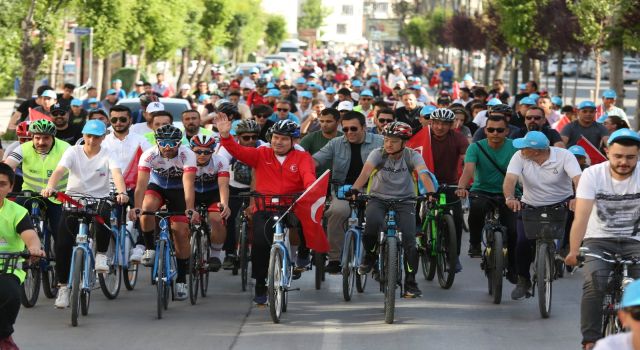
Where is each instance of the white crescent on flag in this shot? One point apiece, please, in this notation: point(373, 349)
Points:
point(315, 206)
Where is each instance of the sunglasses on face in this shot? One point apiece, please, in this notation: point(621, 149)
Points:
point(168, 143)
point(283, 110)
point(58, 114)
point(119, 119)
point(494, 130)
point(249, 137)
point(533, 118)
point(203, 152)
point(351, 128)
point(261, 116)
point(385, 121)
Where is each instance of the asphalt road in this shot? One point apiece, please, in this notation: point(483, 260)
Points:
point(460, 318)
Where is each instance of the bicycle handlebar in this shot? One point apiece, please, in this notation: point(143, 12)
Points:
point(616, 259)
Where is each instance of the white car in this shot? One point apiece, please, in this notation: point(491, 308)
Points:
point(569, 67)
point(175, 106)
point(631, 73)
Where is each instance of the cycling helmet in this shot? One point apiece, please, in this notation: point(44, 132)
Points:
point(168, 132)
point(229, 109)
point(22, 130)
point(247, 126)
point(398, 129)
point(42, 126)
point(203, 141)
point(261, 82)
point(286, 128)
point(443, 114)
point(502, 109)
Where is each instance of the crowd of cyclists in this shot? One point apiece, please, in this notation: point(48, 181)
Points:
point(275, 131)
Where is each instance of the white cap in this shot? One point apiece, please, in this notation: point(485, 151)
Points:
point(185, 87)
point(345, 106)
point(247, 85)
point(155, 107)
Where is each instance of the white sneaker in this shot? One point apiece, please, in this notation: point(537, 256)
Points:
point(136, 254)
point(102, 265)
point(149, 257)
point(181, 291)
point(62, 301)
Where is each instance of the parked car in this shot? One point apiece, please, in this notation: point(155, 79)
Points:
point(569, 67)
point(246, 66)
point(631, 73)
point(175, 106)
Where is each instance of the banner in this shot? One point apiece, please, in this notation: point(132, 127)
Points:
point(130, 174)
point(309, 209)
point(35, 115)
point(421, 142)
point(594, 154)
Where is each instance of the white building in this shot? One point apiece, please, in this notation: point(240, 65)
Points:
point(287, 9)
point(345, 23)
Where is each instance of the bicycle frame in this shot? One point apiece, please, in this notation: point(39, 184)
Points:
point(123, 239)
point(391, 231)
point(355, 230)
point(83, 243)
point(281, 240)
point(164, 235)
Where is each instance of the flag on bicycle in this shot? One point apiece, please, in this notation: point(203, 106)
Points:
point(421, 143)
point(35, 115)
point(130, 174)
point(594, 154)
point(309, 209)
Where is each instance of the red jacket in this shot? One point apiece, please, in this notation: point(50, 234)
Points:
point(255, 99)
point(295, 175)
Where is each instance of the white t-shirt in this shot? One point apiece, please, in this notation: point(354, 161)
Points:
point(549, 183)
point(88, 176)
point(123, 151)
point(140, 128)
point(620, 341)
point(11, 148)
point(481, 119)
point(617, 203)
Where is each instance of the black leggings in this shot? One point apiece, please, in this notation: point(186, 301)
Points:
point(235, 204)
point(9, 303)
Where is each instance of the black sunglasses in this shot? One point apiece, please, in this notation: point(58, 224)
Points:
point(119, 119)
point(533, 118)
point(201, 152)
point(283, 110)
point(248, 137)
point(351, 128)
point(492, 130)
point(385, 121)
point(58, 114)
point(634, 311)
point(261, 116)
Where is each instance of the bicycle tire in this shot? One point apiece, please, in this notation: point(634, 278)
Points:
point(49, 277)
point(391, 277)
point(609, 321)
point(85, 299)
point(160, 289)
point(318, 262)
point(244, 256)
point(429, 261)
point(205, 254)
point(348, 269)
point(497, 266)
point(361, 280)
point(447, 252)
point(169, 286)
point(130, 276)
point(31, 287)
point(110, 282)
point(275, 288)
point(194, 274)
point(544, 279)
point(76, 276)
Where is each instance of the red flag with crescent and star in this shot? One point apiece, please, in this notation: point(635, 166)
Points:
point(421, 143)
point(309, 209)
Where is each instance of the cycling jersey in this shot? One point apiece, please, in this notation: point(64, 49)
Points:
point(207, 175)
point(37, 168)
point(167, 173)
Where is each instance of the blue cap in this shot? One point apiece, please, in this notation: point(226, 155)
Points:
point(447, 65)
point(374, 74)
point(311, 84)
point(556, 100)
point(91, 100)
point(416, 87)
point(271, 86)
point(522, 86)
point(301, 80)
point(254, 70)
point(76, 102)
point(631, 296)
point(347, 61)
point(623, 134)
point(467, 77)
point(94, 127)
point(609, 94)
point(587, 104)
point(50, 94)
point(578, 151)
point(331, 90)
point(111, 92)
point(306, 94)
point(273, 93)
point(527, 101)
point(313, 75)
point(534, 96)
point(356, 83)
point(494, 102)
point(367, 93)
point(203, 97)
point(373, 81)
point(428, 109)
point(533, 139)
point(117, 81)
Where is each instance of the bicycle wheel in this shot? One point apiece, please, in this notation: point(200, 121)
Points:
point(194, 273)
point(243, 255)
point(160, 283)
point(275, 286)
point(544, 279)
point(205, 253)
point(110, 282)
point(391, 276)
point(76, 283)
point(428, 260)
point(609, 320)
point(130, 276)
point(497, 266)
point(447, 252)
point(361, 280)
point(318, 262)
point(85, 299)
point(31, 286)
point(348, 269)
point(48, 271)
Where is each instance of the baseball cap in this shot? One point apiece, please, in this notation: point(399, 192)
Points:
point(254, 70)
point(556, 100)
point(76, 102)
point(92, 100)
point(428, 109)
point(534, 96)
point(345, 106)
point(94, 127)
point(494, 102)
point(374, 81)
point(609, 94)
point(527, 101)
point(578, 151)
point(313, 75)
point(248, 85)
point(522, 86)
point(533, 139)
point(586, 104)
point(356, 83)
point(331, 90)
point(623, 134)
point(272, 93)
point(416, 87)
point(111, 92)
point(306, 94)
point(301, 80)
point(117, 81)
point(155, 107)
point(203, 97)
point(271, 86)
point(185, 87)
point(467, 77)
point(58, 108)
point(366, 93)
point(50, 94)
point(631, 296)
point(139, 83)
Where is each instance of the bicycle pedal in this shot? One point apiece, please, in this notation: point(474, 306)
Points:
point(291, 289)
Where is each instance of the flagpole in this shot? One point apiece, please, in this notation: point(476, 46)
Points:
point(302, 195)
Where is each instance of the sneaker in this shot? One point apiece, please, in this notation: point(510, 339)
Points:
point(303, 262)
point(260, 297)
point(181, 291)
point(411, 290)
point(475, 251)
point(512, 276)
point(101, 265)
point(149, 257)
point(458, 265)
point(214, 264)
point(522, 289)
point(62, 300)
point(229, 262)
point(367, 264)
point(8, 344)
point(136, 254)
point(333, 267)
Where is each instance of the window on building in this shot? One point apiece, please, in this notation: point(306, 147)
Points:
point(342, 29)
point(380, 7)
point(347, 10)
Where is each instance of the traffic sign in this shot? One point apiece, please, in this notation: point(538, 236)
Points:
point(81, 30)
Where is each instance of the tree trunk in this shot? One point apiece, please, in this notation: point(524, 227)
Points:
point(184, 66)
point(559, 73)
point(526, 68)
point(500, 67)
point(575, 89)
point(31, 55)
point(205, 72)
point(139, 65)
point(535, 68)
point(636, 120)
point(487, 67)
point(194, 76)
point(598, 73)
point(106, 74)
point(514, 74)
point(460, 66)
point(615, 73)
point(99, 76)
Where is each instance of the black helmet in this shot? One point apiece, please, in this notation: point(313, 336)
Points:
point(285, 128)
point(502, 109)
point(261, 82)
point(247, 126)
point(398, 129)
point(229, 109)
point(168, 132)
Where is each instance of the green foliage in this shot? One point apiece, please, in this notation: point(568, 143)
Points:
point(215, 17)
point(417, 31)
point(313, 15)
point(594, 17)
point(276, 31)
point(109, 19)
point(519, 23)
point(9, 45)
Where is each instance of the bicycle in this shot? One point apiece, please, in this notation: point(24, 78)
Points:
point(43, 272)
point(436, 240)
point(200, 244)
point(243, 249)
point(613, 283)
point(164, 270)
point(352, 251)
point(494, 241)
point(545, 225)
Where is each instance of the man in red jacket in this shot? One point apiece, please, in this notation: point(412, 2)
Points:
point(279, 170)
point(256, 97)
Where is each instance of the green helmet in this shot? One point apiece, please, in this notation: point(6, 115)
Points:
point(42, 126)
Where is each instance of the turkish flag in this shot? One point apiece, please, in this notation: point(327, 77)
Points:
point(560, 124)
point(592, 151)
point(455, 91)
point(384, 88)
point(35, 115)
point(131, 173)
point(421, 142)
point(309, 208)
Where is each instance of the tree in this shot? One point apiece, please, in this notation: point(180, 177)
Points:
point(9, 45)
point(246, 28)
point(275, 32)
point(490, 21)
point(464, 34)
point(417, 32)
point(313, 15)
point(403, 9)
